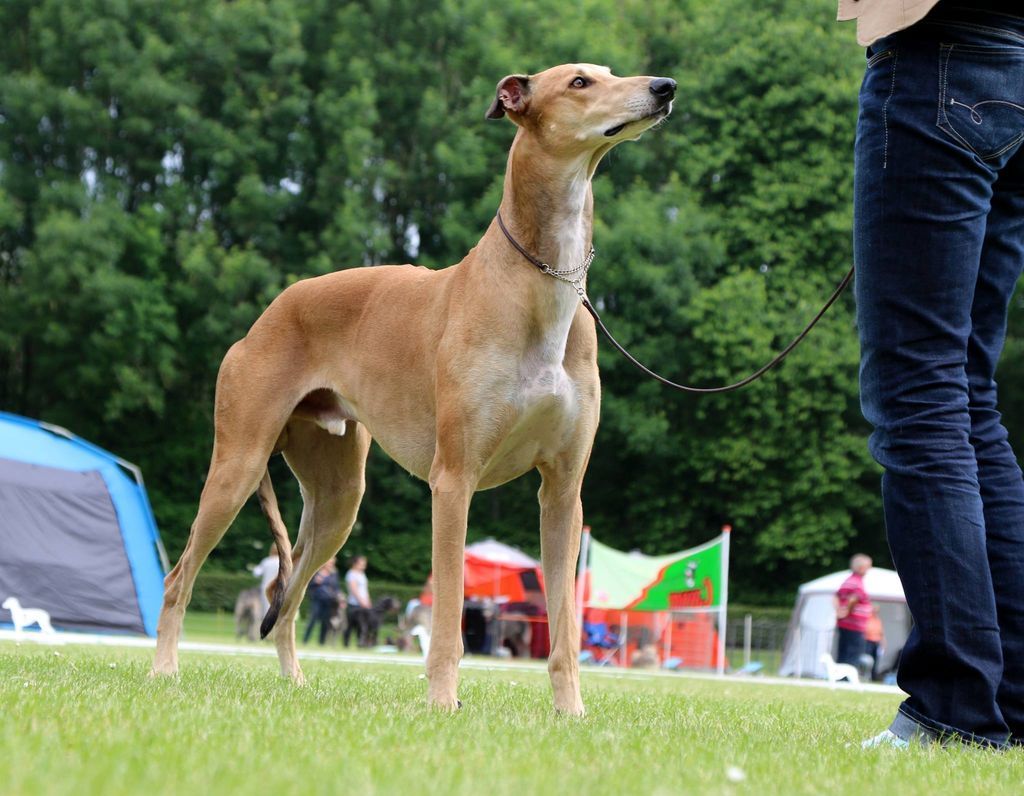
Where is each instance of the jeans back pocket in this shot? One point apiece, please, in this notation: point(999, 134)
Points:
point(981, 97)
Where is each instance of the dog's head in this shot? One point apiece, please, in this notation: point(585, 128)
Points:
point(11, 602)
point(577, 108)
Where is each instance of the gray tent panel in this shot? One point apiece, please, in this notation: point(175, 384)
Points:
point(61, 549)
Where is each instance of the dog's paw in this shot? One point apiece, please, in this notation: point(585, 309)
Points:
point(452, 705)
point(575, 711)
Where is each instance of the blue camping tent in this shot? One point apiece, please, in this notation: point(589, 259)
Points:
point(77, 534)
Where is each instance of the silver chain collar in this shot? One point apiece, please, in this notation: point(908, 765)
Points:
point(574, 276)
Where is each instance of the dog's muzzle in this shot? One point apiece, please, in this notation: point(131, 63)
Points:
point(664, 89)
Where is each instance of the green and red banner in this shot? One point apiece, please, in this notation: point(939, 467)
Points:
point(688, 579)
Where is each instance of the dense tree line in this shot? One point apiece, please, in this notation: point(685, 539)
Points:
point(166, 168)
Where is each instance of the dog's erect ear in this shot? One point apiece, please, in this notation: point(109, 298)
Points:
point(512, 95)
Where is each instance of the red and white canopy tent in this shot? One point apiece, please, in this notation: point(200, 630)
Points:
point(499, 572)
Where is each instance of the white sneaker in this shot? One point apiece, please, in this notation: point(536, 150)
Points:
point(885, 739)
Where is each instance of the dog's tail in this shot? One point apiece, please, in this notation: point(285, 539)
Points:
point(275, 592)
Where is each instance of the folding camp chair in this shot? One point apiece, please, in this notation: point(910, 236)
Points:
point(601, 639)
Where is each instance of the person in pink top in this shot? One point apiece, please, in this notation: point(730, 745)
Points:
point(853, 610)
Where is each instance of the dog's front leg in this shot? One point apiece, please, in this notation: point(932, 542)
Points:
point(561, 522)
point(451, 493)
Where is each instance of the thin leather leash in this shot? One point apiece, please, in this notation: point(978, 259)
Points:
point(577, 276)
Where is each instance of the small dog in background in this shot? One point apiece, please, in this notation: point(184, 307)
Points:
point(25, 617)
point(384, 607)
point(248, 614)
point(365, 623)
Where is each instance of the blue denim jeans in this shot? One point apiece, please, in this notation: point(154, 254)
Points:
point(851, 646)
point(938, 247)
point(321, 612)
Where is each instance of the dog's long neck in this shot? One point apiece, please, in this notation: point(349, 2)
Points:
point(548, 207)
point(549, 202)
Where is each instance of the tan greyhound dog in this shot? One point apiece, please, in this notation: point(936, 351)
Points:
point(468, 377)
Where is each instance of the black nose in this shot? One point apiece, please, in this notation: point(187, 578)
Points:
point(663, 87)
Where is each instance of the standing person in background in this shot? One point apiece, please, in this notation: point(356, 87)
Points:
point(853, 609)
point(874, 638)
point(358, 599)
point(266, 571)
point(324, 593)
point(938, 248)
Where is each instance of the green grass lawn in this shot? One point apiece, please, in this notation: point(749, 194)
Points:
point(216, 627)
point(88, 720)
point(219, 628)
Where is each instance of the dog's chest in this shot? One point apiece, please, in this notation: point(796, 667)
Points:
point(539, 416)
point(548, 408)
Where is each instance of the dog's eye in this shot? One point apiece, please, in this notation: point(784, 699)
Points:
point(579, 82)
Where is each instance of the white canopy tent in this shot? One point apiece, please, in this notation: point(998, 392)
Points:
point(812, 627)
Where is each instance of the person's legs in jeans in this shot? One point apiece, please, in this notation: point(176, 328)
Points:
point(313, 615)
point(1002, 487)
point(351, 614)
point(872, 649)
point(922, 204)
point(319, 613)
point(851, 646)
point(326, 612)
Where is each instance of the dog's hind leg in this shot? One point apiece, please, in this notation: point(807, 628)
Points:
point(331, 472)
point(228, 486)
point(561, 523)
point(249, 417)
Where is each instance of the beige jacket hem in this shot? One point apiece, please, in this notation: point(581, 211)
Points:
point(878, 18)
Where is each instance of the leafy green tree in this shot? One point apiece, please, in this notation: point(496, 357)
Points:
point(166, 169)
